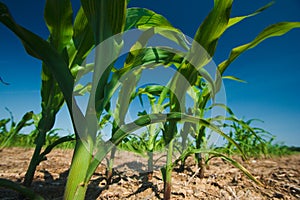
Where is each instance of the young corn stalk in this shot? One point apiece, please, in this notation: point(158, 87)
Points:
point(7, 136)
point(253, 141)
point(149, 141)
point(59, 22)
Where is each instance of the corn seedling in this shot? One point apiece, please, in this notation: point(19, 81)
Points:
point(9, 135)
point(253, 141)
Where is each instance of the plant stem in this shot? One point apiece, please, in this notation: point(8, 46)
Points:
point(77, 184)
point(199, 159)
point(35, 159)
point(111, 165)
point(19, 188)
point(168, 175)
point(150, 165)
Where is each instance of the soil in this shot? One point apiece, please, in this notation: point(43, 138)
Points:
point(280, 176)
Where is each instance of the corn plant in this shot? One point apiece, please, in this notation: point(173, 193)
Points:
point(54, 61)
point(97, 21)
point(252, 144)
point(150, 141)
point(58, 18)
point(207, 35)
point(8, 135)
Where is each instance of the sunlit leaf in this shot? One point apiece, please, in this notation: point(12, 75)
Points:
point(58, 17)
point(144, 19)
point(235, 20)
point(272, 31)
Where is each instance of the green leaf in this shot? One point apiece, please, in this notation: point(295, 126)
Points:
point(106, 17)
point(235, 20)
point(143, 121)
point(213, 26)
point(58, 17)
point(226, 108)
point(83, 38)
point(41, 49)
point(271, 31)
point(203, 48)
point(52, 97)
point(19, 188)
point(220, 155)
point(81, 90)
point(126, 93)
point(54, 144)
point(144, 19)
point(23, 123)
point(150, 57)
point(154, 56)
point(233, 78)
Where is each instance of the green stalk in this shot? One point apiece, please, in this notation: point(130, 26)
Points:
point(168, 172)
point(77, 184)
point(35, 159)
point(150, 165)
point(199, 158)
point(200, 137)
point(150, 147)
point(111, 165)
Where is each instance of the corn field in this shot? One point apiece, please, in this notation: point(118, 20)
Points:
point(101, 55)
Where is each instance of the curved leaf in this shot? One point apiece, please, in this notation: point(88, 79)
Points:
point(58, 17)
point(19, 188)
point(235, 20)
point(144, 19)
point(83, 38)
point(106, 17)
point(233, 78)
point(271, 31)
point(41, 49)
point(143, 121)
point(213, 26)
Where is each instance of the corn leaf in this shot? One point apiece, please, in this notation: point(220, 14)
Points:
point(41, 49)
point(58, 17)
point(143, 121)
point(21, 189)
point(83, 38)
point(233, 78)
point(235, 20)
point(125, 95)
point(150, 57)
point(237, 165)
point(213, 26)
point(271, 31)
point(220, 155)
point(106, 17)
point(142, 18)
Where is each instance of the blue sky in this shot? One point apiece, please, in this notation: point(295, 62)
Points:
point(271, 70)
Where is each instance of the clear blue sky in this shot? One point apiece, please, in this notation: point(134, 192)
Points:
point(272, 69)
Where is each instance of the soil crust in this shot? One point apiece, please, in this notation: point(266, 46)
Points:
point(280, 176)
